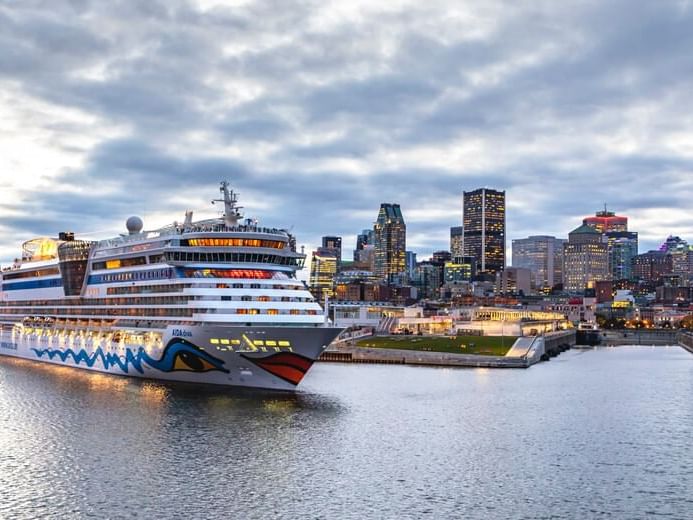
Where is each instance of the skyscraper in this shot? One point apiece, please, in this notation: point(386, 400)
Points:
point(623, 248)
point(652, 266)
point(543, 256)
point(622, 244)
point(682, 259)
point(585, 259)
point(334, 244)
point(365, 238)
point(428, 279)
point(389, 234)
point(323, 269)
point(460, 269)
point(514, 280)
point(483, 220)
point(410, 261)
point(456, 234)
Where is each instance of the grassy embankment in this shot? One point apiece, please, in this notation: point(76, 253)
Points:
point(482, 345)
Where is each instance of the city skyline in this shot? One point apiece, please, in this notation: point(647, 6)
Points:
point(9, 248)
point(129, 109)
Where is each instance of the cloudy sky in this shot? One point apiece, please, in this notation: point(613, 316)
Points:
point(317, 111)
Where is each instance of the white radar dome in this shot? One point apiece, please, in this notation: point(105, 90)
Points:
point(134, 225)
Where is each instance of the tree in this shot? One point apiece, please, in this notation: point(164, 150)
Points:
point(687, 322)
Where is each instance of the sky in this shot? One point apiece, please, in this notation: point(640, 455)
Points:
point(318, 111)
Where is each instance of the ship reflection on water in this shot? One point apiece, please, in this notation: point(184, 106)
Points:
point(117, 389)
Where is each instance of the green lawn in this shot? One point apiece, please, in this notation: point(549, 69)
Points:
point(483, 345)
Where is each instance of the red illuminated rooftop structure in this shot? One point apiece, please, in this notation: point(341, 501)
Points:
point(606, 221)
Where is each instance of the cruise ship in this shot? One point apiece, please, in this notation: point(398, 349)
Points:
point(212, 301)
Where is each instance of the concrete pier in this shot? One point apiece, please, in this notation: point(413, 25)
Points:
point(685, 340)
point(659, 337)
point(525, 352)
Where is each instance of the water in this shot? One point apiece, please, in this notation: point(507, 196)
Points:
point(605, 433)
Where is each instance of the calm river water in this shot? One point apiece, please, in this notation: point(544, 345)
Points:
point(603, 433)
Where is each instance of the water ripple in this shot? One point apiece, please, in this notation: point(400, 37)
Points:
point(604, 433)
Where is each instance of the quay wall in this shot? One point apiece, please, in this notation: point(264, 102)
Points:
point(638, 337)
point(540, 349)
point(415, 357)
point(685, 340)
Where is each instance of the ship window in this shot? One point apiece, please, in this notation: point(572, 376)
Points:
point(233, 242)
point(28, 274)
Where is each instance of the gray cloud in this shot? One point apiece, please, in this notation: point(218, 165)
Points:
point(320, 116)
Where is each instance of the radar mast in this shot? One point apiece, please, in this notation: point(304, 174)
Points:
point(231, 213)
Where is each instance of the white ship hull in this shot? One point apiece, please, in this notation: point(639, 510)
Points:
point(274, 358)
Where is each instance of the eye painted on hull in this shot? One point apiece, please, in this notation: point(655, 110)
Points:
point(191, 362)
point(182, 355)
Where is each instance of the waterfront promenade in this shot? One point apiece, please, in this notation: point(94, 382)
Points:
point(659, 337)
point(525, 352)
point(685, 340)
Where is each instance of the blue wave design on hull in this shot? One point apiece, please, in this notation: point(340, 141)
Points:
point(107, 360)
point(179, 355)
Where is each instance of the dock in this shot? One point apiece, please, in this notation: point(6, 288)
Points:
point(685, 340)
point(526, 352)
point(657, 337)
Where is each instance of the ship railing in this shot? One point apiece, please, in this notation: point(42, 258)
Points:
point(201, 227)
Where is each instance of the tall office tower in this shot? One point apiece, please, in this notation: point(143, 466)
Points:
point(606, 221)
point(681, 256)
point(623, 247)
point(460, 269)
point(456, 241)
point(682, 259)
point(672, 243)
point(335, 244)
point(622, 244)
point(323, 269)
point(363, 239)
point(483, 219)
point(390, 239)
point(543, 256)
point(440, 258)
point(651, 266)
point(585, 259)
point(514, 280)
point(410, 263)
point(366, 258)
point(427, 279)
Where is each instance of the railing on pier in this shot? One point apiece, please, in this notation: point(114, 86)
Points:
point(685, 339)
